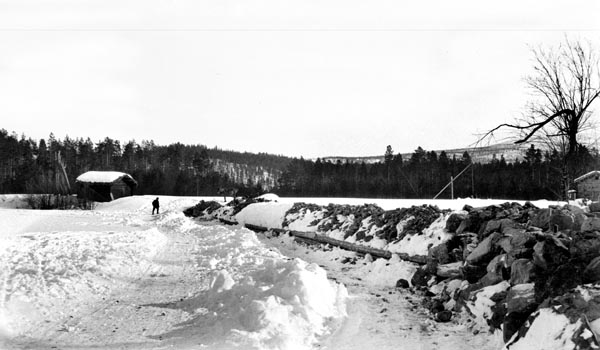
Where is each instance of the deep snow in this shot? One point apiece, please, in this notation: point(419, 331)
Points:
point(118, 277)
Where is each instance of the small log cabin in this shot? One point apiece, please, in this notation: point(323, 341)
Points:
point(588, 185)
point(104, 186)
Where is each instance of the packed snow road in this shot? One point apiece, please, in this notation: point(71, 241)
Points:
point(119, 278)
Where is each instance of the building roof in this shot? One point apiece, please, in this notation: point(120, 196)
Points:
point(106, 177)
point(588, 175)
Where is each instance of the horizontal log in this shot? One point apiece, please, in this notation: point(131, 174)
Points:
point(315, 237)
point(227, 222)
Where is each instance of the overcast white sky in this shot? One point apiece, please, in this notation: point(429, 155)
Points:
point(298, 78)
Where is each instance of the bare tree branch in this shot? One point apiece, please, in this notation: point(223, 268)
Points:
point(565, 83)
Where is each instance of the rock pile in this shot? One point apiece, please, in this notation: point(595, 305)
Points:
point(202, 209)
point(365, 222)
point(511, 261)
point(511, 267)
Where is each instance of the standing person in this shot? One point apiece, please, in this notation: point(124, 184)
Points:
point(155, 206)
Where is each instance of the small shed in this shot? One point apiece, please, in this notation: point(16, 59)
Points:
point(104, 186)
point(588, 185)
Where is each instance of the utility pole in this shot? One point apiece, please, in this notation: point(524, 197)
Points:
point(472, 182)
point(451, 183)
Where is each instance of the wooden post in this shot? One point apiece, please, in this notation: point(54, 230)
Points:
point(472, 182)
point(452, 187)
point(451, 183)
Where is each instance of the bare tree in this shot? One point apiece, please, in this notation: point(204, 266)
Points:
point(565, 83)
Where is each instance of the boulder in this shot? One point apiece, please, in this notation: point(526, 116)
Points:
point(440, 254)
point(477, 219)
point(473, 273)
point(541, 218)
point(451, 270)
point(566, 218)
point(202, 208)
point(549, 252)
point(500, 265)
point(484, 251)
point(436, 306)
point(443, 316)
point(498, 315)
point(594, 207)
point(591, 274)
point(498, 225)
point(463, 227)
point(454, 220)
point(463, 294)
point(402, 283)
point(579, 220)
point(360, 235)
point(521, 271)
point(573, 208)
point(521, 298)
point(585, 246)
point(517, 242)
point(561, 220)
point(454, 285)
point(559, 280)
point(584, 300)
point(591, 223)
point(420, 278)
point(470, 242)
point(492, 226)
point(490, 279)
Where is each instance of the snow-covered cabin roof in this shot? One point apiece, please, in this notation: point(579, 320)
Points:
point(105, 177)
point(588, 175)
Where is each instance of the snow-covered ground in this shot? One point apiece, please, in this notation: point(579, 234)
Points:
point(118, 277)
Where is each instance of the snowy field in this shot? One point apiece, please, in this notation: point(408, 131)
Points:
point(119, 278)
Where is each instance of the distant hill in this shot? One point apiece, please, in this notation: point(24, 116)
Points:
point(485, 154)
point(245, 167)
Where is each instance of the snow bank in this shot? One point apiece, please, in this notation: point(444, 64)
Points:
point(432, 236)
point(13, 201)
point(304, 221)
point(549, 330)
point(41, 268)
point(257, 298)
point(242, 293)
point(281, 305)
point(143, 204)
point(390, 204)
point(268, 197)
point(385, 273)
point(274, 215)
point(480, 305)
point(267, 214)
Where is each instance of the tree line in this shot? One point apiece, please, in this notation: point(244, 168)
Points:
point(29, 166)
point(425, 173)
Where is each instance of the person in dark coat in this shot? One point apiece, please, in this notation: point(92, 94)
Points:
point(155, 206)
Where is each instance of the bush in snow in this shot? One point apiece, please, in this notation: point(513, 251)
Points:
point(57, 201)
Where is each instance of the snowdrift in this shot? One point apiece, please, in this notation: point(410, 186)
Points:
point(119, 275)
